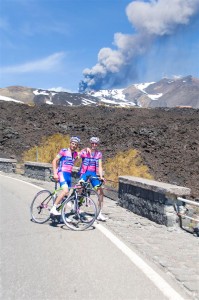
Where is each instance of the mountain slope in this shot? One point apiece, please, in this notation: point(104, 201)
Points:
point(164, 93)
point(179, 92)
point(39, 96)
point(19, 93)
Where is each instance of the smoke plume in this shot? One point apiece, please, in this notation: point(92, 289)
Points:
point(151, 20)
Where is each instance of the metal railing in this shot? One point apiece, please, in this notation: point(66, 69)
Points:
point(190, 202)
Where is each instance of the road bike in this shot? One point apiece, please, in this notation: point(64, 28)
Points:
point(79, 210)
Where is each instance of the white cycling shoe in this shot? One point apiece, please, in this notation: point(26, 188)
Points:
point(101, 217)
point(54, 211)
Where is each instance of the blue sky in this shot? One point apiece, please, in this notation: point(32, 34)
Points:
point(104, 43)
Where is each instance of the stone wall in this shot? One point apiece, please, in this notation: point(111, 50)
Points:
point(151, 199)
point(7, 165)
point(43, 171)
point(40, 171)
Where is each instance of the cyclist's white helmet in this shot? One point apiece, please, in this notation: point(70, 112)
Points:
point(94, 140)
point(75, 139)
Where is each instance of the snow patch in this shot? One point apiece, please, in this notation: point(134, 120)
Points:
point(108, 101)
point(155, 97)
point(143, 86)
point(49, 102)
point(113, 94)
point(87, 100)
point(36, 92)
point(4, 98)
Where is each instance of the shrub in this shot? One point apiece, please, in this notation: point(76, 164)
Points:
point(48, 148)
point(125, 163)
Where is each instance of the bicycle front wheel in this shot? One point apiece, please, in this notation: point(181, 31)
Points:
point(91, 193)
point(41, 206)
point(79, 212)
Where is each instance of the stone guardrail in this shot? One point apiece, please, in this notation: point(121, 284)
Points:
point(40, 171)
point(7, 165)
point(151, 199)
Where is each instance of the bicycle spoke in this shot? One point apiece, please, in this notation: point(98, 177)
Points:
point(91, 193)
point(41, 206)
point(80, 213)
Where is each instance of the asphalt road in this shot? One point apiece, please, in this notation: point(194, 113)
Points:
point(45, 262)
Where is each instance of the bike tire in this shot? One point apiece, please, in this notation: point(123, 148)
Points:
point(41, 206)
point(91, 193)
point(76, 216)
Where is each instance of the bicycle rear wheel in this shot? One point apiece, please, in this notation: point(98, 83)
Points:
point(79, 213)
point(41, 206)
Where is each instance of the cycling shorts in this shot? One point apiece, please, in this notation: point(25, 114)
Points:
point(94, 181)
point(64, 179)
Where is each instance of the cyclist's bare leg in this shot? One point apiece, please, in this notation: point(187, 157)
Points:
point(101, 197)
point(101, 217)
point(63, 193)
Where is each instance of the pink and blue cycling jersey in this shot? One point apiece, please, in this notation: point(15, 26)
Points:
point(67, 159)
point(90, 162)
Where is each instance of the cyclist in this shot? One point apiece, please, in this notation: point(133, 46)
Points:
point(91, 166)
point(65, 160)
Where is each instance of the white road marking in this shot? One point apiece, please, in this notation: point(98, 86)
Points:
point(157, 280)
point(39, 188)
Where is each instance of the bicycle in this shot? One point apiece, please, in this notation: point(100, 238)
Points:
point(74, 217)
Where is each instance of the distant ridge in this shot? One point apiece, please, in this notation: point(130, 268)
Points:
point(164, 93)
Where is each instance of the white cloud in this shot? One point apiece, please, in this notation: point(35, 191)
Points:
point(152, 19)
point(177, 76)
point(161, 17)
point(42, 65)
point(59, 89)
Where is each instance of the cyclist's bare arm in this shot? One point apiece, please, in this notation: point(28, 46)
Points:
point(88, 150)
point(100, 170)
point(55, 164)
